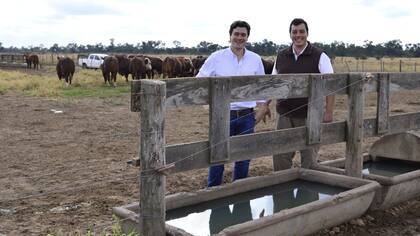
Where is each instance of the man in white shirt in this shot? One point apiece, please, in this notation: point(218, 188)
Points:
point(235, 61)
point(300, 57)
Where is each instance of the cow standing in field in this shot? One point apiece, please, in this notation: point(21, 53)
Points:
point(110, 69)
point(27, 60)
point(35, 61)
point(140, 66)
point(123, 66)
point(65, 69)
point(31, 59)
point(268, 66)
point(197, 63)
point(156, 66)
point(188, 67)
point(173, 67)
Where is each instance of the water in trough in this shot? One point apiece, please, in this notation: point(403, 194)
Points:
point(389, 167)
point(213, 216)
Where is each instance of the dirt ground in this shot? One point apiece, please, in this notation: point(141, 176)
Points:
point(63, 164)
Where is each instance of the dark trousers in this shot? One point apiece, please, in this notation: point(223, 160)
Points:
point(239, 124)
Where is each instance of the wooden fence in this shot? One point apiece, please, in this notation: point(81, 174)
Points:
point(12, 59)
point(150, 98)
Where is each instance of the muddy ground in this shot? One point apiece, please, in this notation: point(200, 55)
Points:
point(63, 163)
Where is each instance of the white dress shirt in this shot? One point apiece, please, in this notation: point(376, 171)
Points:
point(225, 63)
point(324, 64)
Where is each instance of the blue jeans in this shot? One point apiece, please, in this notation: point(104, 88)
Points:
point(238, 126)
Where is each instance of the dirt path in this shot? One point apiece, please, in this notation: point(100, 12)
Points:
point(63, 164)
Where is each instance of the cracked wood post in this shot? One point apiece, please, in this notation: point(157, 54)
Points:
point(356, 98)
point(315, 115)
point(152, 156)
point(382, 111)
point(219, 102)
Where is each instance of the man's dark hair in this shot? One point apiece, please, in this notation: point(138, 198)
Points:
point(298, 21)
point(239, 23)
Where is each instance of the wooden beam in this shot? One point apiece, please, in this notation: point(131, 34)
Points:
point(219, 119)
point(152, 157)
point(193, 91)
point(382, 111)
point(354, 158)
point(195, 155)
point(315, 110)
point(135, 103)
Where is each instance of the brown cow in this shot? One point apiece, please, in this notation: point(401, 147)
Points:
point(123, 66)
point(31, 59)
point(28, 62)
point(188, 67)
point(173, 67)
point(65, 69)
point(156, 66)
point(268, 66)
point(140, 67)
point(198, 63)
point(110, 69)
point(148, 65)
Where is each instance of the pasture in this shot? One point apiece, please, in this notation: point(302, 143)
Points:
point(64, 154)
point(341, 64)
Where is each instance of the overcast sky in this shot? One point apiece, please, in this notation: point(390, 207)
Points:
point(25, 23)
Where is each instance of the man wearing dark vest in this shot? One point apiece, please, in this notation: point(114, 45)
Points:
point(300, 57)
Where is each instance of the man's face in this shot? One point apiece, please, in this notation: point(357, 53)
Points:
point(299, 35)
point(239, 37)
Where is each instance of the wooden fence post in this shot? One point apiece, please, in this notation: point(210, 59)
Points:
point(315, 115)
point(382, 111)
point(219, 123)
point(356, 97)
point(400, 65)
point(152, 156)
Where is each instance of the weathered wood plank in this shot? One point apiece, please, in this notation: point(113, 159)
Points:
point(152, 156)
point(354, 158)
point(219, 120)
point(315, 110)
point(189, 156)
point(135, 96)
point(382, 111)
point(193, 91)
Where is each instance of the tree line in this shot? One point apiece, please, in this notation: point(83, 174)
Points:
point(393, 48)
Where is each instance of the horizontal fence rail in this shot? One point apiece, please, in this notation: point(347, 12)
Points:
point(196, 155)
point(195, 91)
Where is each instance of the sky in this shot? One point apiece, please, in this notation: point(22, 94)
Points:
point(46, 22)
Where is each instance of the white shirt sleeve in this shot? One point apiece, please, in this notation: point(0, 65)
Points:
point(274, 72)
point(208, 68)
point(261, 70)
point(325, 66)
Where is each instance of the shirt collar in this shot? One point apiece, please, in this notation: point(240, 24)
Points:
point(297, 55)
point(233, 54)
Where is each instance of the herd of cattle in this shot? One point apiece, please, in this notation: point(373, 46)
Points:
point(139, 66)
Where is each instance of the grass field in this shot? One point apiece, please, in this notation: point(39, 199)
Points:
point(85, 83)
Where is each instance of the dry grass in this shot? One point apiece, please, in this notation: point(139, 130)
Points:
point(85, 83)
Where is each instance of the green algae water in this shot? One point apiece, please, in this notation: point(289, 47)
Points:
point(389, 167)
point(212, 217)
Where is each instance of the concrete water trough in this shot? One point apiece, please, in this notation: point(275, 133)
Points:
point(394, 162)
point(290, 202)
